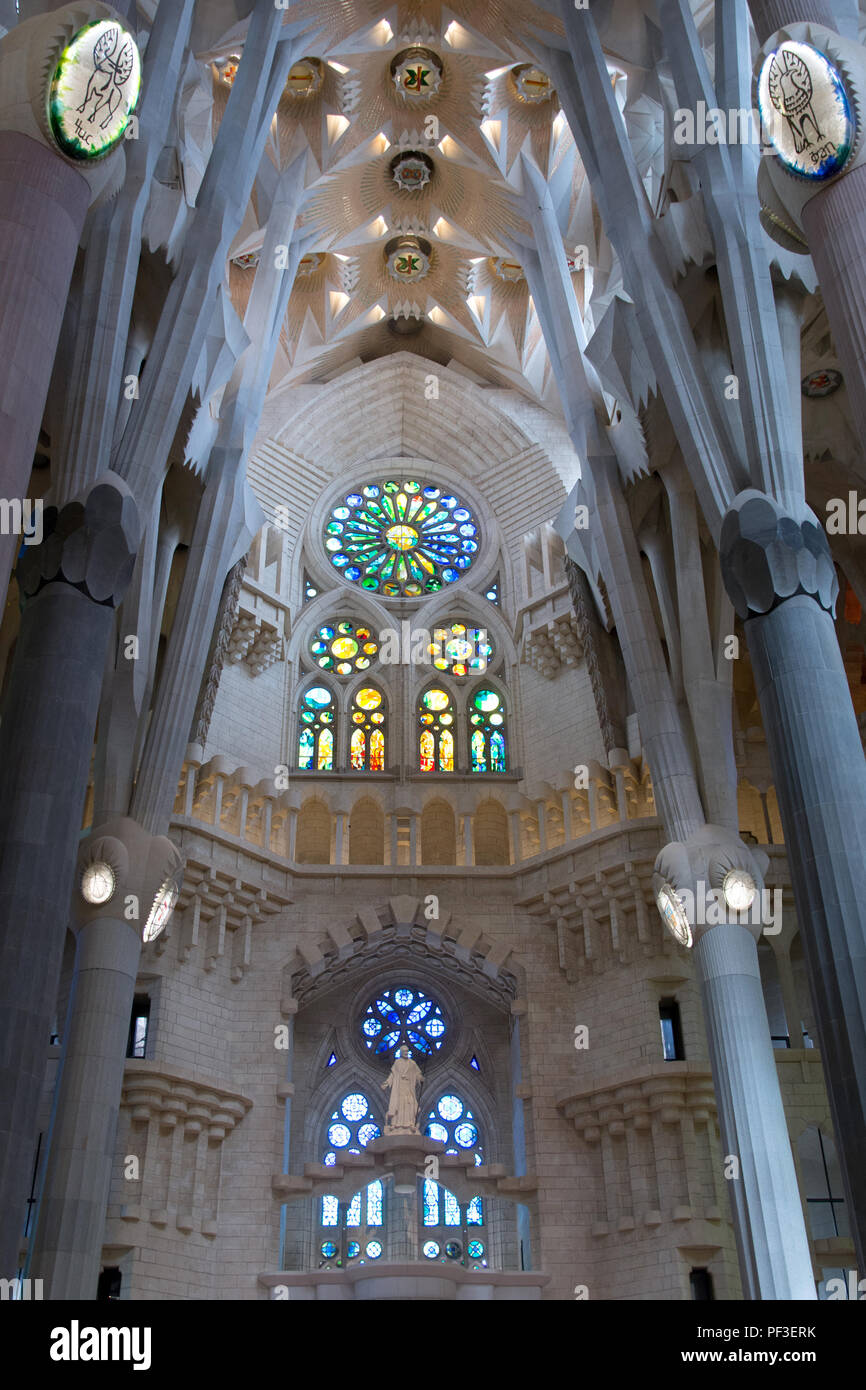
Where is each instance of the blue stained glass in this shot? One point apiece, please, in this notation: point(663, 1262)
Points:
point(374, 1250)
point(431, 492)
point(450, 576)
point(450, 1107)
point(437, 1131)
point(479, 1161)
point(497, 753)
point(467, 530)
point(353, 1250)
point(339, 560)
point(431, 1250)
point(431, 1203)
point(306, 749)
point(403, 1010)
point(339, 1136)
point(475, 1212)
point(342, 513)
point(330, 1159)
point(474, 1064)
point(367, 1133)
point(354, 573)
point(354, 500)
point(353, 1215)
point(330, 1211)
point(475, 1249)
point(329, 1249)
point(462, 515)
point(450, 502)
point(355, 1106)
point(374, 1204)
point(452, 1209)
point(399, 544)
point(466, 1135)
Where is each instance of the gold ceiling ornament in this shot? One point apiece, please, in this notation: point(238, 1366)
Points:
point(309, 264)
point(408, 259)
point(411, 170)
point(505, 269)
point(226, 68)
point(417, 74)
point(530, 84)
point(305, 78)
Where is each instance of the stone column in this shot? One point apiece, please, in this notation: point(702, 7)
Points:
point(70, 586)
point(70, 1223)
point(780, 576)
point(775, 1262)
point(773, 1249)
point(43, 201)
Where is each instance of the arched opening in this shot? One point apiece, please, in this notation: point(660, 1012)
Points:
point(491, 834)
point(438, 834)
point(314, 833)
point(367, 832)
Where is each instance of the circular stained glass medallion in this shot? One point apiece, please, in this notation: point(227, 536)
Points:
point(401, 538)
point(94, 90)
point(403, 1017)
point(461, 650)
point(344, 647)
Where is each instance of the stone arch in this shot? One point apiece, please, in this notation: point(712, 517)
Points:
point(313, 845)
point(438, 833)
point(367, 832)
point(490, 831)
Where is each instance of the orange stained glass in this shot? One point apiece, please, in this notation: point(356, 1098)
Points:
point(377, 751)
point(359, 749)
point(446, 752)
point(428, 749)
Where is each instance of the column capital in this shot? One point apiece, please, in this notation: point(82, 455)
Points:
point(90, 545)
point(120, 860)
point(768, 556)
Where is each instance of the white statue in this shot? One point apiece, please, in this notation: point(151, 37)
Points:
point(403, 1081)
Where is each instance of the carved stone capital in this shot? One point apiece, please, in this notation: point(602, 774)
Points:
point(768, 556)
point(90, 545)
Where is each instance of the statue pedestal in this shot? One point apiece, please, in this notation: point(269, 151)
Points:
point(404, 1155)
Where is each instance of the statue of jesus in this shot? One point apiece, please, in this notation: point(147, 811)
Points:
point(403, 1082)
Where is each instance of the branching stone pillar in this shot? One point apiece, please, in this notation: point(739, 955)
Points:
point(136, 875)
point(780, 576)
point(70, 586)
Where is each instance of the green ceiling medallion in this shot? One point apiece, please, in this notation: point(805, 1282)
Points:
point(94, 90)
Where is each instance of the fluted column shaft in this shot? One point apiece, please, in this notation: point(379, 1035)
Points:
point(69, 1232)
point(775, 1262)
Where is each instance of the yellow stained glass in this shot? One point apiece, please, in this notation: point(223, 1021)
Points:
point(377, 751)
point(344, 648)
point(368, 699)
point(326, 751)
point(427, 751)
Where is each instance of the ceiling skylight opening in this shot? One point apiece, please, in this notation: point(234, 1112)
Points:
point(443, 229)
point(449, 147)
point(381, 143)
point(558, 124)
point(377, 313)
point(496, 72)
point(336, 126)
point(338, 67)
point(437, 316)
point(456, 35)
point(338, 302)
point(492, 131)
point(383, 33)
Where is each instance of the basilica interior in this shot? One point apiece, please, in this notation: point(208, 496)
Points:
point(433, 663)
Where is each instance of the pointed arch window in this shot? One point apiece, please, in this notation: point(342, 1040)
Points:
point(317, 726)
point(487, 731)
point(452, 1123)
point(351, 1127)
point(367, 740)
point(437, 731)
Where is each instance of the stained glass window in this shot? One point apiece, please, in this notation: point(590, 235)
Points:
point(367, 741)
point(403, 1017)
point(460, 650)
point(345, 647)
point(452, 1123)
point(487, 731)
point(351, 1127)
point(316, 734)
point(438, 724)
point(401, 538)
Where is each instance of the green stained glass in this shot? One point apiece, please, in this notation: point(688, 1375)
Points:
point(400, 539)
